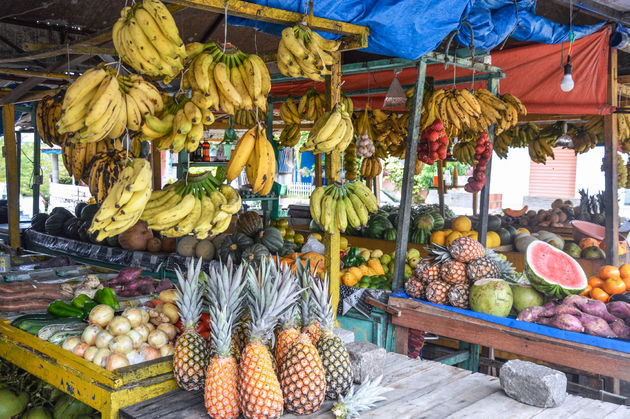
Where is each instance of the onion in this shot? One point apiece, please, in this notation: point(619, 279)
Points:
point(122, 344)
point(136, 338)
point(134, 357)
point(144, 331)
point(89, 353)
point(102, 314)
point(134, 316)
point(169, 329)
point(145, 315)
point(167, 350)
point(157, 339)
point(170, 310)
point(116, 360)
point(168, 296)
point(119, 326)
point(148, 352)
point(70, 343)
point(150, 326)
point(90, 332)
point(79, 350)
point(102, 339)
point(100, 357)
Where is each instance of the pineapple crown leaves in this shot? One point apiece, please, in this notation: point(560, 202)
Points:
point(305, 278)
point(506, 269)
point(189, 294)
point(269, 296)
point(323, 302)
point(359, 399)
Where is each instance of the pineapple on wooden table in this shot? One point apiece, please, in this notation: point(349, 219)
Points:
point(260, 394)
point(308, 318)
point(190, 359)
point(224, 292)
point(287, 333)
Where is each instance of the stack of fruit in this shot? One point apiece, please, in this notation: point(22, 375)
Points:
point(350, 161)
point(388, 131)
point(363, 268)
point(46, 117)
point(610, 281)
point(371, 167)
point(446, 275)
point(332, 131)
point(433, 143)
point(78, 157)
point(304, 53)
point(483, 152)
point(337, 206)
point(291, 132)
point(101, 172)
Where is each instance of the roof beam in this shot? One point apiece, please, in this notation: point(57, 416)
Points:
point(29, 73)
point(598, 9)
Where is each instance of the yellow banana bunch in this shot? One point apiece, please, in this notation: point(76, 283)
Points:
point(230, 80)
point(147, 39)
point(363, 123)
point(459, 110)
point(255, 154)
point(289, 112)
point(464, 152)
point(540, 146)
point(178, 127)
point(388, 131)
point(515, 137)
point(623, 124)
point(103, 171)
point(371, 167)
point(122, 207)
point(337, 206)
point(304, 53)
point(198, 205)
point(46, 117)
point(350, 161)
point(290, 135)
point(312, 105)
point(583, 138)
point(333, 131)
point(245, 118)
point(509, 116)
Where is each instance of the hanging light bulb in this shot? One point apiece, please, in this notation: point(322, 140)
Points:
point(567, 81)
point(564, 140)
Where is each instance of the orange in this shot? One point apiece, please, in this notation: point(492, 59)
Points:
point(626, 281)
point(614, 286)
point(624, 270)
point(438, 237)
point(599, 294)
point(609, 271)
point(587, 291)
point(595, 282)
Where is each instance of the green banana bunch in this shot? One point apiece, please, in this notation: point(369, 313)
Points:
point(337, 206)
point(464, 152)
point(311, 106)
point(290, 135)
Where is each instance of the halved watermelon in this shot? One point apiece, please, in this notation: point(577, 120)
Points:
point(553, 272)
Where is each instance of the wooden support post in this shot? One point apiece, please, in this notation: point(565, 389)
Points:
point(274, 206)
point(37, 159)
point(404, 211)
point(318, 170)
point(156, 161)
point(333, 170)
point(13, 177)
point(611, 141)
point(440, 186)
point(475, 203)
point(493, 86)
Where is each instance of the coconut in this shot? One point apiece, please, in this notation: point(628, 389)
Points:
point(491, 296)
point(525, 296)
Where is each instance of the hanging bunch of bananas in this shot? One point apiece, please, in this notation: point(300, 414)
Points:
point(179, 126)
point(509, 116)
point(337, 206)
point(333, 131)
point(623, 129)
point(196, 204)
point(312, 105)
point(371, 167)
point(101, 104)
point(391, 132)
point(464, 152)
point(147, 39)
point(254, 153)
point(540, 147)
point(125, 202)
point(418, 168)
point(459, 110)
point(103, 171)
point(292, 130)
point(362, 123)
point(245, 118)
point(46, 117)
point(304, 53)
point(230, 79)
point(350, 161)
point(584, 136)
point(515, 137)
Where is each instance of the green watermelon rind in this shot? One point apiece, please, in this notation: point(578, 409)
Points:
point(545, 285)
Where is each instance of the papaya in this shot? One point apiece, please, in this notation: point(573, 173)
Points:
point(515, 213)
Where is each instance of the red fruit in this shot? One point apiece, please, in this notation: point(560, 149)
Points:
point(434, 155)
point(437, 125)
point(480, 176)
point(433, 136)
point(434, 146)
point(444, 140)
point(442, 154)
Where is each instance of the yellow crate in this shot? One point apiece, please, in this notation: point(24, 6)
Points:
point(101, 389)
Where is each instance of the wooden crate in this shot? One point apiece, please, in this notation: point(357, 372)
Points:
point(95, 386)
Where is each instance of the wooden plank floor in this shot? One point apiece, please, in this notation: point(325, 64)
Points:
point(419, 389)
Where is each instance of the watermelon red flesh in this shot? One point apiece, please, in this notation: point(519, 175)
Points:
point(553, 272)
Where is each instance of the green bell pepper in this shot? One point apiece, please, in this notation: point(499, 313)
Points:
point(84, 303)
point(107, 296)
point(63, 309)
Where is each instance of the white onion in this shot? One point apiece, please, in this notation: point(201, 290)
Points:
point(169, 329)
point(79, 349)
point(90, 332)
point(116, 360)
point(167, 350)
point(169, 310)
point(149, 353)
point(102, 339)
point(100, 357)
point(122, 344)
point(145, 315)
point(157, 339)
point(70, 343)
point(134, 357)
point(89, 353)
point(136, 338)
point(144, 331)
point(134, 316)
point(150, 326)
point(119, 326)
point(102, 314)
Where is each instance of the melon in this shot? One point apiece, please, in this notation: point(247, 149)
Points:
point(553, 272)
point(491, 296)
point(525, 296)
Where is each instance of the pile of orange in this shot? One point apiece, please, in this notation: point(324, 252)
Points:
point(611, 281)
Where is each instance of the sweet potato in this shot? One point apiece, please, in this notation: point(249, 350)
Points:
point(531, 314)
point(549, 309)
point(565, 309)
point(621, 329)
point(564, 322)
point(589, 306)
point(619, 309)
point(596, 326)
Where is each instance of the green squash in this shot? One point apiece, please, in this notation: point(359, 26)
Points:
point(271, 237)
point(71, 228)
point(84, 236)
point(62, 211)
point(89, 211)
point(249, 223)
point(233, 246)
point(38, 222)
point(37, 413)
point(255, 253)
point(68, 407)
point(505, 236)
point(287, 248)
point(54, 224)
point(112, 241)
point(78, 208)
point(494, 223)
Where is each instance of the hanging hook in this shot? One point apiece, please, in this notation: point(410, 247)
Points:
point(448, 46)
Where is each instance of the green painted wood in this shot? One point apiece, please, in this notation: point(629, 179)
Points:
point(36, 165)
point(376, 329)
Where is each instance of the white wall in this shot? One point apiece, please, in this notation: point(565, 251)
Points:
point(588, 173)
point(510, 177)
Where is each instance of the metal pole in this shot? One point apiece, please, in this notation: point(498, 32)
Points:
point(13, 178)
point(404, 211)
point(37, 177)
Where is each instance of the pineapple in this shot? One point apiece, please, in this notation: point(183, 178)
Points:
point(286, 336)
point(465, 249)
point(359, 399)
point(303, 380)
point(453, 272)
point(240, 337)
point(260, 394)
point(458, 295)
point(310, 324)
point(506, 269)
point(332, 351)
point(481, 268)
point(414, 287)
point(436, 292)
point(224, 292)
point(428, 270)
point(190, 359)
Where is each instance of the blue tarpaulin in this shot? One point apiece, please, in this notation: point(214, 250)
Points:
point(412, 28)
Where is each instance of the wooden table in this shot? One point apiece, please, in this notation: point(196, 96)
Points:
point(418, 389)
point(417, 315)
